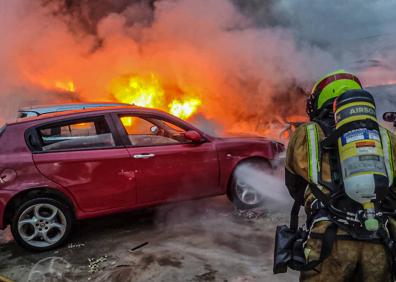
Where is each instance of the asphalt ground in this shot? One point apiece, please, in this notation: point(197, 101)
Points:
point(201, 240)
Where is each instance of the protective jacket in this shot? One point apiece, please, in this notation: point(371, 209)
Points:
point(307, 168)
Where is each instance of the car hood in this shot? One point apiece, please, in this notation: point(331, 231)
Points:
point(249, 146)
point(245, 140)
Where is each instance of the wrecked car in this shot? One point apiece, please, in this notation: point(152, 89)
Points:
point(60, 167)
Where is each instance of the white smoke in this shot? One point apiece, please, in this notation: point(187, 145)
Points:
point(269, 184)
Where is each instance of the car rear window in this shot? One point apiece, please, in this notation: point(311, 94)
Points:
point(76, 135)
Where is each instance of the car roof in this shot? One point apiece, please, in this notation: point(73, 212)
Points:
point(79, 113)
point(44, 109)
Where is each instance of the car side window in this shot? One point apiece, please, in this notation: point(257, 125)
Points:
point(152, 131)
point(76, 135)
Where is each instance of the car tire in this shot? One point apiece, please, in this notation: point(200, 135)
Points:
point(235, 194)
point(42, 224)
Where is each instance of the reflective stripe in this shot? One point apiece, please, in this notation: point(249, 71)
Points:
point(388, 154)
point(331, 78)
point(313, 153)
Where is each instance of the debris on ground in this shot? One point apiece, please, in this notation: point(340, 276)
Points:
point(75, 245)
point(138, 247)
point(123, 265)
point(244, 279)
point(250, 214)
point(96, 264)
point(207, 231)
point(209, 275)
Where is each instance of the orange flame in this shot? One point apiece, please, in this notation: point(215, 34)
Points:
point(138, 90)
point(147, 91)
point(184, 109)
point(67, 86)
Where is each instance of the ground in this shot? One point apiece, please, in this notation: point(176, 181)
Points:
point(201, 240)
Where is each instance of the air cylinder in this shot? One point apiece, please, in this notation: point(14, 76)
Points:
point(360, 151)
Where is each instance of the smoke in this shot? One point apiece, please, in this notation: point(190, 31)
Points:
point(268, 184)
point(359, 36)
point(246, 60)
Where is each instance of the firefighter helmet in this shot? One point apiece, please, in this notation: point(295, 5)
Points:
point(328, 88)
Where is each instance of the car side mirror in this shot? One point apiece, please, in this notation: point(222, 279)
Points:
point(193, 136)
point(389, 116)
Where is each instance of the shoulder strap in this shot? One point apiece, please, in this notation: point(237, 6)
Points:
point(294, 215)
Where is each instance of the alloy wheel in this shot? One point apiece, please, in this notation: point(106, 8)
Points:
point(247, 194)
point(42, 225)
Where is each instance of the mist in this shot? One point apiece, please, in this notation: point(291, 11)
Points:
point(268, 184)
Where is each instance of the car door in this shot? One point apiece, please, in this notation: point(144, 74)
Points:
point(167, 167)
point(84, 157)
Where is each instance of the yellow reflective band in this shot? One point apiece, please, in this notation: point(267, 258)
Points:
point(388, 154)
point(370, 172)
point(313, 153)
point(354, 118)
point(355, 104)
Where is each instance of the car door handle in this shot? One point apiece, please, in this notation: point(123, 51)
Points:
point(143, 156)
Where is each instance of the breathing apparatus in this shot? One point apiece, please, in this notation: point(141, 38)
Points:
point(361, 156)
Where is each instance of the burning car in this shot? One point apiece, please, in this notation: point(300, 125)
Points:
point(60, 167)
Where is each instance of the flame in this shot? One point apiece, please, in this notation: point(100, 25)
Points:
point(138, 90)
point(184, 109)
point(65, 86)
point(126, 121)
point(148, 91)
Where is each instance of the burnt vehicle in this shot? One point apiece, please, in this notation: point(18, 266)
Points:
point(61, 167)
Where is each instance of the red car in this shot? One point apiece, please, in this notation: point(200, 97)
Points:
point(57, 168)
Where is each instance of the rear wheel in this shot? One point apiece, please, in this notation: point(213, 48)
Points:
point(244, 190)
point(42, 224)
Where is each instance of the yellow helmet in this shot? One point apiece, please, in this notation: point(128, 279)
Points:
point(328, 88)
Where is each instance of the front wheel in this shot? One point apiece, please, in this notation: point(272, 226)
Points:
point(42, 224)
point(246, 187)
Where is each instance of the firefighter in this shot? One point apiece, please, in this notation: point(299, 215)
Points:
point(355, 252)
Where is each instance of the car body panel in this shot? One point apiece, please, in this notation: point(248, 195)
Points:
point(104, 181)
point(175, 172)
point(98, 179)
point(232, 151)
point(18, 158)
